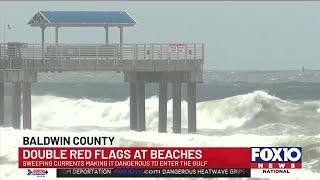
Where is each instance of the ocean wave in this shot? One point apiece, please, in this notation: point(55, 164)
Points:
point(237, 110)
point(249, 112)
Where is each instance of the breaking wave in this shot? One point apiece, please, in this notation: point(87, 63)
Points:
point(245, 112)
point(253, 119)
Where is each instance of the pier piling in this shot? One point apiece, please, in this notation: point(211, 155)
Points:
point(16, 105)
point(163, 88)
point(176, 87)
point(141, 102)
point(1, 104)
point(192, 126)
point(26, 105)
point(133, 106)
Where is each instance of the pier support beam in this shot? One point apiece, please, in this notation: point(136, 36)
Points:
point(121, 41)
point(42, 35)
point(107, 34)
point(133, 106)
point(163, 88)
point(141, 116)
point(1, 104)
point(176, 87)
point(121, 34)
point(57, 35)
point(16, 105)
point(192, 116)
point(42, 43)
point(27, 105)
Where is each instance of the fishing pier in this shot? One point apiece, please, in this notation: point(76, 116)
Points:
point(174, 63)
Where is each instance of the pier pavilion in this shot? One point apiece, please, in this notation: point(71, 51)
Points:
point(141, 63)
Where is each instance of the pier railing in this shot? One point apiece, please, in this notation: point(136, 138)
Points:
point(22, 55)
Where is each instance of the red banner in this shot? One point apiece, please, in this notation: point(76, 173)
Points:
point(142, 157)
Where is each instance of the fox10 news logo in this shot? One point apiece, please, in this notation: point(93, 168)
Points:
point(276, 159)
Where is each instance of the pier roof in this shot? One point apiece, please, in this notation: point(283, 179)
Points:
point(81, 19)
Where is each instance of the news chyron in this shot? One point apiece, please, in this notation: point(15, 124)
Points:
point(91, 157)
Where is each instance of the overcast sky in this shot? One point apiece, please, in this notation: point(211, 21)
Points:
point(237, 35)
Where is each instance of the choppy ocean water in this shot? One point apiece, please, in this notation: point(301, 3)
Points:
point(262, 108)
